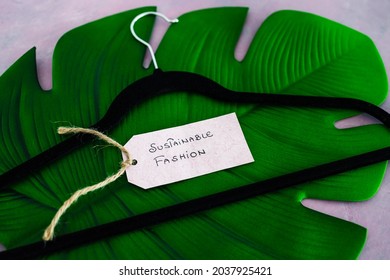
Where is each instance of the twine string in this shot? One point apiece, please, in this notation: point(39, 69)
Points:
point(49, 232)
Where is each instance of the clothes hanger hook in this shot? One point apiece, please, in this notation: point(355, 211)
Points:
point(143, 41)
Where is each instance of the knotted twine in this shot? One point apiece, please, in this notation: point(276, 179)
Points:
point(49, 232)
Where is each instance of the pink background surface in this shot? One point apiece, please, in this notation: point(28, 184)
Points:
point(28, 23)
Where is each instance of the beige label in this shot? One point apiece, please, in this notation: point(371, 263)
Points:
point(184, 152)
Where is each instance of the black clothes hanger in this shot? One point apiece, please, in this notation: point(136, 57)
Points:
point(161, 82)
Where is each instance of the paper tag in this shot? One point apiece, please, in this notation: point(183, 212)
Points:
point(184, 152)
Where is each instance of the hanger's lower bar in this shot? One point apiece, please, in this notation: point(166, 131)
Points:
point(84, 237)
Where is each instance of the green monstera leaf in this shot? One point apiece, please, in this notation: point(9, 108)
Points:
point(293, 53)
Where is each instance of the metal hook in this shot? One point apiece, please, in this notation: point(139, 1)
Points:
point(143, 41)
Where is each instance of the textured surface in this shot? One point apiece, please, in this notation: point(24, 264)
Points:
point(270, 83)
